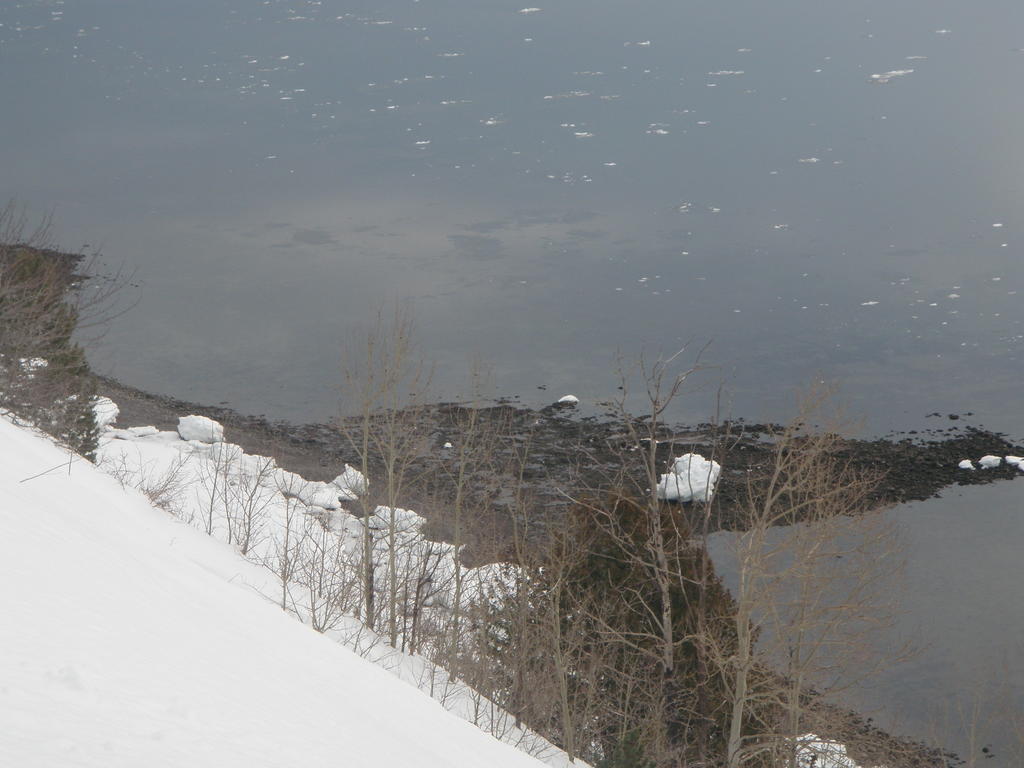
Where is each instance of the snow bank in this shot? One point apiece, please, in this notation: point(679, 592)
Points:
point(105, 411)
point(692, 478)
point(352, 483)
point(201, 429)
point(160, 646)
point(218, 487)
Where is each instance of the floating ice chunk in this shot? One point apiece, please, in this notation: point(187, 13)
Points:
point(352, 483)
point(568, 399)
point(885, 77)
point(529, 10)
point(868, 303)
point(692, 478)
point(989, 461)
point(966, 464)
point(200, 428)
point(105, 411)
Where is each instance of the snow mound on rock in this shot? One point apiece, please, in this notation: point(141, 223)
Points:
point(990, 461)
point(692, 478)
point(966, 464)
point(352, 483)
point(105, 411)
point(568, 400)
point(201, 429)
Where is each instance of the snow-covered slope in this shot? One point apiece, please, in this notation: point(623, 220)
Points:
point(128, 639)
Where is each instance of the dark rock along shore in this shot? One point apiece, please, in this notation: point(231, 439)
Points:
point(916, 465)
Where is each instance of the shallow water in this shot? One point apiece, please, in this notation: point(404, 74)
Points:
point(961, 609)
point(551, 188)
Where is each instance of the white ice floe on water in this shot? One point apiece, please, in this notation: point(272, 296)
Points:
point(105, 411)
point(692, 478)
point(990, 462)
point(201, 429)
point(966, 464)
point(885, 77)
point(530, 10)
point(568, 399)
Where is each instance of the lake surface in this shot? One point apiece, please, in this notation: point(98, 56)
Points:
point(815, 188)
point(547, 187)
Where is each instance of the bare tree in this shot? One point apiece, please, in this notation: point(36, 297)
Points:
point(814, 559)
point(48, 301)
point(384, 400)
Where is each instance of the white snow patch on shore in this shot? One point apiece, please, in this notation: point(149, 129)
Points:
point(692, 478)
point(200, 428)
point(990, 462)
point(105, 411)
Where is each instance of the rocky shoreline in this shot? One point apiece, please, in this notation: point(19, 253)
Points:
point(916, 465)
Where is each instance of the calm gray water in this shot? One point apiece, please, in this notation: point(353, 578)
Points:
point(548, 188)
point(961, 608)
point(814, 187)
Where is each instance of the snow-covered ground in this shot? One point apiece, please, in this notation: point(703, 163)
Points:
point(131, 638)
point(187, 603)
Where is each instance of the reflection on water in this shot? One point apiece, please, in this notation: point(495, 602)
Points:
point(816, 188)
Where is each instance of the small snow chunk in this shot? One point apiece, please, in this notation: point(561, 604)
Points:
point(447, 446)
point(200, 428)
point(568, 400)
point(989, 461)
point(692, 478)
point(966, 464)
point(325, 495)
point(143, 431)
point(529, 10)
point(816, 752)
point(1015, 461)
point(105, 411)
point(352, 483)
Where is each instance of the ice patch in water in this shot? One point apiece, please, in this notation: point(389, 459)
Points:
point(885, 77)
